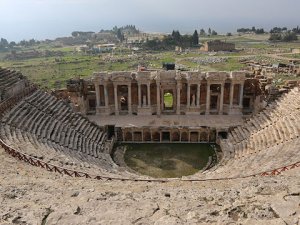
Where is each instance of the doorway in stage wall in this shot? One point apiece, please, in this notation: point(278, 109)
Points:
point(166, 136)
point(110, 131)
point(168, 101)
point(123, 93)
point(214, 102)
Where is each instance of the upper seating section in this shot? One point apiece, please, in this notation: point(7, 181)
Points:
point(268, 140)
point(36, 123)
point(50, 119)
point(278, 123)
point(11, 83)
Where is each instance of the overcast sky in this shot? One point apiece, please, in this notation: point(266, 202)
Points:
point(41, 19)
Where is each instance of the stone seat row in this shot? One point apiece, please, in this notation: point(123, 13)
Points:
point(8, 78)
point(285, 154)
point(285, 129)
point(266, 118)
point(52, 127)
point(59, 155)
point(267, 131)
point(53, 107)
point(48, 128)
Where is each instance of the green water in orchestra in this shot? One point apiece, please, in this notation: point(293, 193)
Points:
point(168, 160)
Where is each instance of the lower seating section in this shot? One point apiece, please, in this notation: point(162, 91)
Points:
point(271, 158)
point(278, 123)
point(42, 126)
point(269, 140)
point(58, 155)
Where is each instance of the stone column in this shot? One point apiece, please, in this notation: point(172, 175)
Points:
point(116, 99)
point(222, 99)
point(97, 90)
point(105, 95)
point(178, 100)
point(129, 100)
point(158, 98)
point(207, 99)
point(123, 134)
point(139, 96)
point(188, 95)
point(231, 95)
point(241, 94)
point(149, 96)
point(198, 95)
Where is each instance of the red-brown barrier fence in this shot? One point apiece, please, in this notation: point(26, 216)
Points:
point(73, 173)
point(11, 102)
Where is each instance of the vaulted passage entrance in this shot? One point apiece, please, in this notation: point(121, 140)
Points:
point(166, 136)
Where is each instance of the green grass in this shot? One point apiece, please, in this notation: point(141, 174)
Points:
point(231, 65)
point(52, 72)
point(296, 56)
point(167, 160)
point(281, 78)
point(47, 71)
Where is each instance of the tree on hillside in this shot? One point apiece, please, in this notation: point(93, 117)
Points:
point(275, 37)
point(209, 31)
point(12, 44)
point(260, 31)
point(296, 30)
point(3, 43)
point(202, 32)
point(289, 36)
point(120, 35)
point(214, 32)
point(176, 36)
point(195, 38)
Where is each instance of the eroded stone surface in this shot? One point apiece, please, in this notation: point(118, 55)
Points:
point(29, 195)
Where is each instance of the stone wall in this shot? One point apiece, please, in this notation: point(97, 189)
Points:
point(142, 93)
point(217, 45)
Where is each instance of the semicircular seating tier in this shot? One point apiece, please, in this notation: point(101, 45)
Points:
point(42, 126)
point(266, 141)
